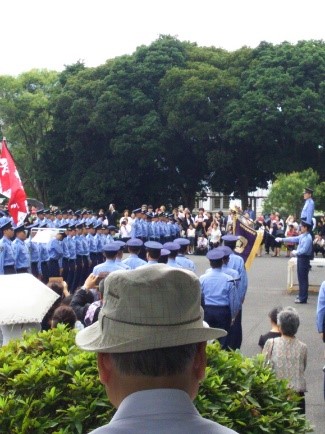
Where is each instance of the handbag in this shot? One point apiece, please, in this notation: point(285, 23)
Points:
point(268, 357)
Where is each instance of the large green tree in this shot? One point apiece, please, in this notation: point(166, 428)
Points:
point(25, 112)
point(286, 195)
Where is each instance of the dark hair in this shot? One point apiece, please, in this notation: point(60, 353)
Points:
point(155, 363)
point(154, 253)
point(273, 314)
point(56, 287)
point(64, 315)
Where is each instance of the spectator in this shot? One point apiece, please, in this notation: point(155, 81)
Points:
point(274, 332)
point(319, 245)
point(288, 355)
point(64, 315)
point(291, 232)
point(152, 373)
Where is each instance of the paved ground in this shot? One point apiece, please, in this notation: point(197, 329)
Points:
point(267, 288)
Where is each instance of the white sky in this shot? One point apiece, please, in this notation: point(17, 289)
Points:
point(53, 33)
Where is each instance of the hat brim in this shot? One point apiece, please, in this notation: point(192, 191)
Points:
point(92, 339)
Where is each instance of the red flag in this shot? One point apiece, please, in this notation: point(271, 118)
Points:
point(11, 185)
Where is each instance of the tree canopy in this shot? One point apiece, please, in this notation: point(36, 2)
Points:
point(168, 121)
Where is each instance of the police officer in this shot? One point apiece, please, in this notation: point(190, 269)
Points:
point(218, 294)
point(119, 255)
point(7, 260)
point(181, 259)
point(20, 249)
point(34, 250)
point(307, 212)
point(134, 247)
point(44, 258)
point(235, 336)
point(303, 253)
point(153, 250)
point(174, 248)
point(110, 253)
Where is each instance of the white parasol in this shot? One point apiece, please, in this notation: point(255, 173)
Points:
point(24, 299)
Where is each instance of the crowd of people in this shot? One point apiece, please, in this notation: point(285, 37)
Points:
point(87, 253)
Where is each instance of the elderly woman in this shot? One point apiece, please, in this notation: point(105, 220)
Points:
point(287, 354)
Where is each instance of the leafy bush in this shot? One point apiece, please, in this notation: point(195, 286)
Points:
point(47, 385)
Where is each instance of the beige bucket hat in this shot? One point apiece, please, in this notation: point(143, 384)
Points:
point(148, 308)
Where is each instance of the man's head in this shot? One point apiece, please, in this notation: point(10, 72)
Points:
point(305, 226)
point(308, 192)
point(150, 332)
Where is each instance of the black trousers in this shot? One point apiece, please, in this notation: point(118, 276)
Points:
point(303, 263)
point(218, 317)
point(22, 270)
point(54, 269)
point(34, 269)
point(9, 269)
point(45, 271)
point(235, 335)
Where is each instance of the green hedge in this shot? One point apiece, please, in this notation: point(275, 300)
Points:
point(47, 385)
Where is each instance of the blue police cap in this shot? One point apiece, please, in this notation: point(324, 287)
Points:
point(134, 242)
point(20, 228)
point(137, 210)
point(64, 226)
point(71, 227)
point(172, 246)
point(6, 224)
point(121, 244)
point(40, 211)
point(112, 228)
point(230, 237)
point(227, 250)
point(304, 223)
point(89, 225)
point(215, 254)
point(182, 241)
point(79, 225)
point(153, 245)
point(111, 247)
point(164, 252)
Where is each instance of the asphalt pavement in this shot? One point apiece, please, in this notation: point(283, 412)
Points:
point(267, 288)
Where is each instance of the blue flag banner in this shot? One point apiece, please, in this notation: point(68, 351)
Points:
point(249, 241)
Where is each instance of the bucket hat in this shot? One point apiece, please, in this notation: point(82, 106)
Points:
point(148, 308)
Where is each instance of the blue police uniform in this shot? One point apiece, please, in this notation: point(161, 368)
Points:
point(133, 261)
point(304, 253)
point(184, 262)
point(55, 254)
point(107, 267)
point(7, 260)
point(34, 257)
point(217, 288)
point(307, 213)
point(21, 255)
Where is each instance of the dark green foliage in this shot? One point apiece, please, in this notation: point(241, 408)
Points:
point(166, 122)
point(47, 385)
point(243, 394)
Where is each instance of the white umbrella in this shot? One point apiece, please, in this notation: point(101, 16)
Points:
point(24, 299)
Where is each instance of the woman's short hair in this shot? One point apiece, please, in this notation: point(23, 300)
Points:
point(288, 321)
point(64, 315)
point(273, 314)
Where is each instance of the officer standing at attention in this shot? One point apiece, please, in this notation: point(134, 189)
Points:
point(181, 259)
point(7, 260)
point(134, 247)
point(307, 213)
point(303, 253)
point(110, 253)
point(217, 290)
point(21, 252)
point(235, 336)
